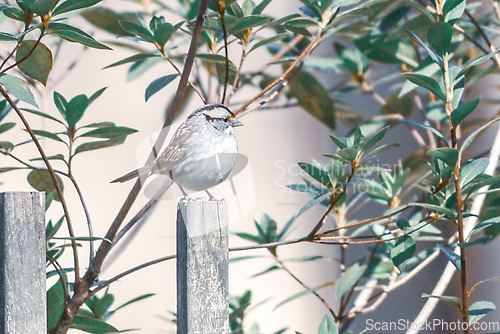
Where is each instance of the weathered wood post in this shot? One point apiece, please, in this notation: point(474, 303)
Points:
point(22, 263)
point(202, 267)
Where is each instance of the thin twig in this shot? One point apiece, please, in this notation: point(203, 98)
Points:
point(128, 272)
point(328, 307)
point(226, 51)
point(483, 35)
point(53, 177)
point(282, 78)
point(140, 214)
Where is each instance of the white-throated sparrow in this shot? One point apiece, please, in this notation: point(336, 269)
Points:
point(201, 154)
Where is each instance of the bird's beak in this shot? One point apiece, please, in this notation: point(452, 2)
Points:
point(236, 123)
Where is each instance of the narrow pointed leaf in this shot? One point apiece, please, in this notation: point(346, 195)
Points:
point(474, 168)
point(434, 56)
point(426, 82)
point(320, 198)
point(447, 154)
point(479, 309)
point(158, 84)
point(473, 135)
point(452, 256)
point(476, 61)
point(403, 251)
point(95, 145)
point(450, 300)
point(463, 111)
point(482, 225)
point(71, 5)
point(328, 326)
point(18, 87)
point(349, 278)
point(429, 128)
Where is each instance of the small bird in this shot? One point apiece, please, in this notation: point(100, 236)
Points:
point(201, 154)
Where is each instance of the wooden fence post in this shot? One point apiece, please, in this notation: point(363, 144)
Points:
point(202, 267)
point(22, 263)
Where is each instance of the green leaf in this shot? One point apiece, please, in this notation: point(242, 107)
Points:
point(493, 279)
point(434, 56)
point(48, 134)
point(213, 58)
point(42, 114)
point(349, 278)
point(18, 87)
point(450, 300)
point(38, 63)
point(108, 19)
point(298, 26)
point(163, 33)
point(247, 22)
point(61, 104)
point(447, 154)
point(55, 304)
point(453, 10)
point(71, 5)
point(92, 325)
point(76, 108)
point(374, 139)
point(434, 208)
point(75, 35)
point(313, 97)
point(133, 59)
point(320, 198)
point(473, 135)
point(51, 230)
point(475, 62)
point(95, 145)
point(6, 127)
point(403, 251)
point(156, 85)
point(134, 300)
point(328, 326)
point(42, 7)
point(317, 173)
point(137, 30)
point(14, 13)
point(429, 128)
point(261, 6)
point(41, 180)
point(99, 306)
point(463, 111)
point(426, 82)
point(250, 237)
point(479, 241)
point(268, 40)
point(340, 142)
point(7, 37)
point(482, 225)
point(452, 257)
point(439, 37)
point(474, 168)
point(479, 309)
point(97, 94)
point(111, 132)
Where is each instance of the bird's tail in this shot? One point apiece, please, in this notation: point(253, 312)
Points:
point(141, 172)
